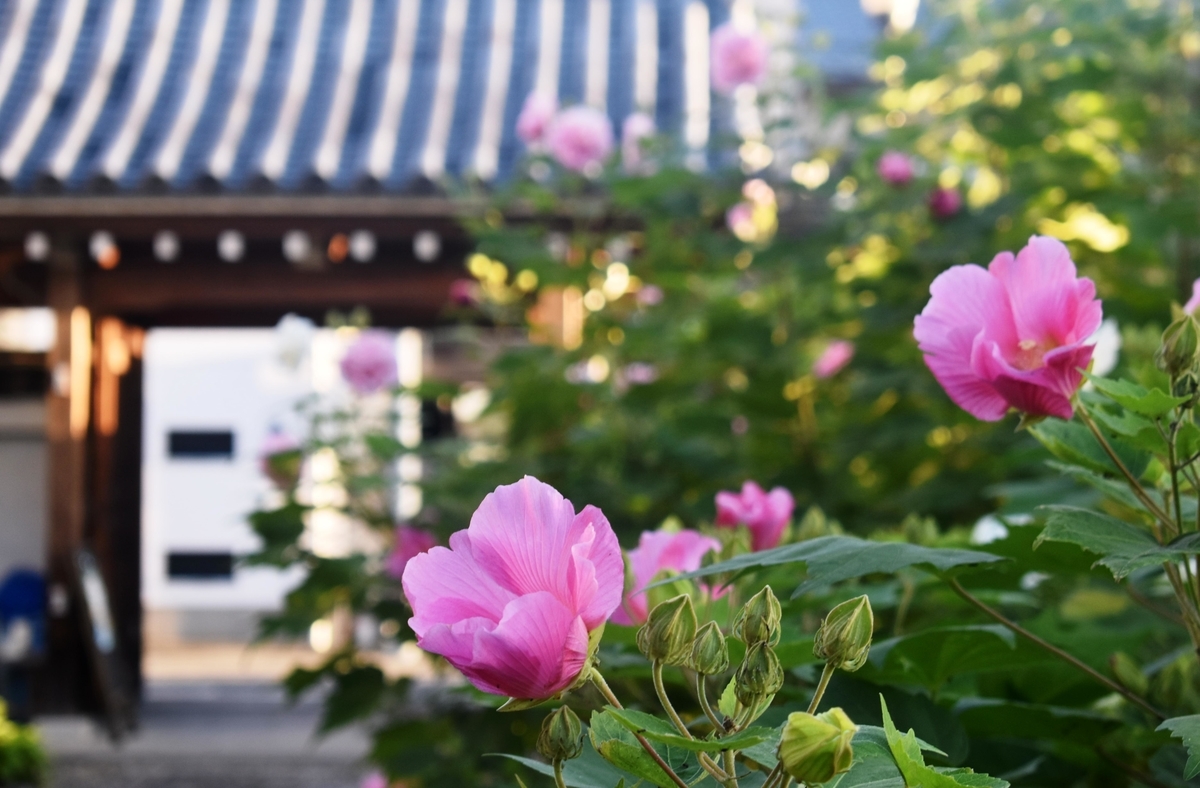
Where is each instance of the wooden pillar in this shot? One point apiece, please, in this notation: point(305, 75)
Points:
point(64, 685)
point(114, 525)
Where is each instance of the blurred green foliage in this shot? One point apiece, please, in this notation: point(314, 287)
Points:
point(1074, 118)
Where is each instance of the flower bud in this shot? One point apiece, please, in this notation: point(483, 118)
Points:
point(815, 747)
point(844, 639)
point(710, 653)
point(759, 675)
point(1177, 353)
point(758, 621)
point(669, 631)
point(561, 738)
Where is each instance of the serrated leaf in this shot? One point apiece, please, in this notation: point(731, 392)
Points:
point(1188, 729)
point(1137, 399)
point(617, 745)
point(1074, 444)
point(1138, 430)
point(1118, 491)
point(907, 752)
point(1123, 547)
point(831, 559)
point(589, 770)
point(659, 730)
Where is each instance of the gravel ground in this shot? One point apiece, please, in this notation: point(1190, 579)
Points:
point(207, 736)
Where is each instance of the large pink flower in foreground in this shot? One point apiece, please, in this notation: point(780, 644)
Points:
point(370, 363)
point(1011, 336)
point(580, 138)
point(410, 543)
point(765, 514)
point(739, 57)
point(511, 602)
point(677, 551)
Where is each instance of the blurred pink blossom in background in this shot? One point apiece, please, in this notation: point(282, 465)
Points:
point(677, 551)
point(637, 127)
point(580, 138)
point(945, 203)
point(370, 363)
point(511, 602)
point(410, 542)
point(1194, 301)
point(1011, 335)
point(535, 117)
point(765, 514)
point(464, 292)
point(834, 358)
point(639, 373)
point(650, 295)
point(375, 780)
point(739, 57)
point(895, 168)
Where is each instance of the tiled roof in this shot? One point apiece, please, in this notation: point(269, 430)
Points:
point(303, 95)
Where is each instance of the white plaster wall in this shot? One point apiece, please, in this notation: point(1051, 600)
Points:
point(211, 379)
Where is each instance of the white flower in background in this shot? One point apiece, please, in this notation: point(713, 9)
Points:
point(988, 529)
point(1108, 347)
point(293, 337)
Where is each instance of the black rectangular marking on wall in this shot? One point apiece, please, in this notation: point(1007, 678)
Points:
point(200, 566)
point(200, 444)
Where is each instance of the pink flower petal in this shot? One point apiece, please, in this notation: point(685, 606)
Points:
point(444, 586)
point(678, 551)
point(535, 651)
point(1046, 298)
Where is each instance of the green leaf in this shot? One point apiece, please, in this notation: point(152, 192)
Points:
point(1074, 444)
point(617, 745)
point(659, 730)
point(589, 770)
point(1188, 729)
point(831, 559)
point(1123, 547)
point(355, 695)
point(1117, 490)
point(907, 752)
point(1139, 431)
point(1150, 403)
point(933, 656)
point(993, 717)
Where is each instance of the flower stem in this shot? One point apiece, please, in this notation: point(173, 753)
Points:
point(558, 775)
point(1134, 484)
point(708, 763)
point(826, 675)
point(656, 670)
point(606, 691)
point(731, 768)
point(1055, 650)
point(702, 695)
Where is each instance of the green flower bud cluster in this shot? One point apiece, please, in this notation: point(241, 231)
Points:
point(669, 632)
point(816, 747)
point(561, 738)
point(844, 639)
point(758, 626)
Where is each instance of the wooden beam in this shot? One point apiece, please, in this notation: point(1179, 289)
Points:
point(63, 687)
